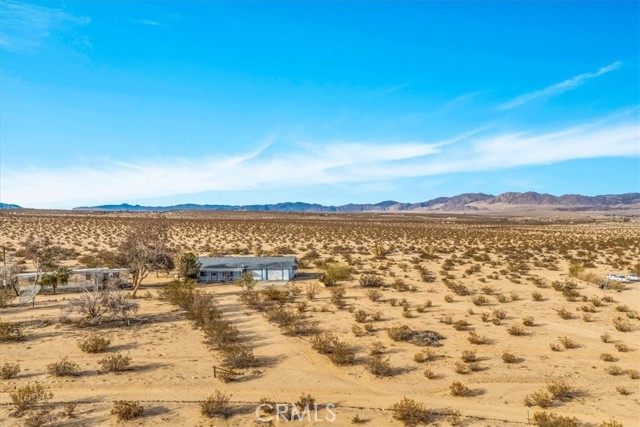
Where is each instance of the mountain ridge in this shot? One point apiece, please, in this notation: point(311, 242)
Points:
point(466, 202)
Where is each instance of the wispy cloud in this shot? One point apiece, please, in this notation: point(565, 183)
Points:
point(306, 165)
point(25, 26)
point(148, 22)
point(558, 88)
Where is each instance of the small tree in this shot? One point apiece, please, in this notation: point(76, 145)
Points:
point(188, 266)
point(143, 251)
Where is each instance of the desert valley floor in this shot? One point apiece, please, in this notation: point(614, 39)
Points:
point(499, 287)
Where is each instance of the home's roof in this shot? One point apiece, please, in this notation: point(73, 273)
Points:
point(250, 263)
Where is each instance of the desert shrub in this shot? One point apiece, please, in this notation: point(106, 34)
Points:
point(429, 374)
point(547, 419)
point(564, 313)
point(334, 273)
point(337, 296)
point(377, 316)
point(126, 410)
point(369, 327)
point(622, 325)
point(458, 389)
point(605, 338)
point(400, 333)
point(461, 368)
point(96, 304)
point(9, 370)
point(468, 356)
point(63, 368)
point(539, 398)
point(528, 321)
point(371, 281)
point(41, 418)
point(614, 370)
point(633, 374)
point(516, 330)
point(94, 344)
point(10, 331)
point(114, 363)
point(68, 410)
point(339, 352)
point(611, 423)
point(377, 348)
point(238, 356)
point(460, 325)
point(536, 296)
point(555, 347)
point(623, 390)
point(499, 314)
point(419, 357)
point(508, 357)
point(448, 298)
point(216, 405)
point(6, 296)
point(568, 342)
point(360, 316)
point(561, 390)
point(379, 366)
point(621, 347)
point(607, 357)
point(374, 295)
point(358, 330)
point(306, 401)
point(311, 291)
point(29, 396)
point(480, 300)
point(410, 413)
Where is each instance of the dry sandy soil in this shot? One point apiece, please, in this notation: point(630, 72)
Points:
point(503, 260)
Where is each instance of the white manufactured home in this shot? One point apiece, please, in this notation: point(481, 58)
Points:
point(228, 269)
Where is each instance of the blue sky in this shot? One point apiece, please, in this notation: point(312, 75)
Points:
point(231, 102)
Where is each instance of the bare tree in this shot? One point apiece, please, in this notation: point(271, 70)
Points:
point(42, 252)
point(144, 250)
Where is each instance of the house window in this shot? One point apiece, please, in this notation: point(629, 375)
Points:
point(87, 276)
point(203, 273)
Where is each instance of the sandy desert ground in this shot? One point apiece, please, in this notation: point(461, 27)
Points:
point(476, 281)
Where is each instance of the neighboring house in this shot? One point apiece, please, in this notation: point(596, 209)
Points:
point(83, 277)
point(228, 269)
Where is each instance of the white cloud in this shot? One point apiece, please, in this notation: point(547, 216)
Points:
point(558, 88)
point(25, 26)
point(307, 164)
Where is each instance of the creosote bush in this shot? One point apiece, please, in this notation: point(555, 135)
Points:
point(115, 363)
point(29, 396)
point(63, 368)
point(410, 413)
point(94, 344)
point(10, 332)
point(548, 419)
point(9, 370)
point(126, 410)
point(216, 405)
point(458, 389)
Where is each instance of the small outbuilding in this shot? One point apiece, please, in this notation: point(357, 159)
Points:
point(228, 269)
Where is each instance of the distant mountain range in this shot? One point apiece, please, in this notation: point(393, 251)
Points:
point(9, 206)
point(468, 202)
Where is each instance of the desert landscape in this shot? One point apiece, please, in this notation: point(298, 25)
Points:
point(393, 319)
